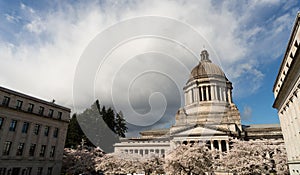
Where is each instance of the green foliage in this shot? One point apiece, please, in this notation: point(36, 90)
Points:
point(96, 122)
point(120, 127)
point(75, 134)
point(115, 121)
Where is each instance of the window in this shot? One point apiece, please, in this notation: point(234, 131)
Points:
point(32, 149)
point(50, 114)
point(46, 132)
point(1, 122)
point(28, 170)
point(19, 104)
point(36, 129)
point(6, 148)
point(49, 172)
point(40, 171)
point(5, 101)
point(52, 151)
point(13, 125)
point(41, 110)
point(2, 171)
point(59, 114)
point(30, 107)
point(43, 149)
point(55, 133)
point(25, 127)
point(20, 149)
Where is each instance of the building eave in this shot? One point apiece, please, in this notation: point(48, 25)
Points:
point(289, 45)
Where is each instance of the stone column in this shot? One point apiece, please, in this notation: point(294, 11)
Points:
point(290, 130)
point(185, 97)
point(212, 145)
point(220, 146)
point(294, 124)
point(212, 92)
point(229, 96)
point(202, 96)
point(297, 119)
point(196, 94)
point(224, 94)
point(193, 95)
point(207, 94)
point(284, 126)
point(227, 146)
point(216, 92)
point(190, 97)
point(221, 94)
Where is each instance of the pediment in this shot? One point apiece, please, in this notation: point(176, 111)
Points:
point(200, 131)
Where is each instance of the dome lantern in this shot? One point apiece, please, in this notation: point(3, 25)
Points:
point(204, 56)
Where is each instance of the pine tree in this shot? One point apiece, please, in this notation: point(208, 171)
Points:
point(115, 121)
point(120, 127)
point(75, 134)
point(110, 119)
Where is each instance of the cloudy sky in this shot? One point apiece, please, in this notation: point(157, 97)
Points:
point(136, 55)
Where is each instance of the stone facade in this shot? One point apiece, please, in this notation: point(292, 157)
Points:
point(32, 134)
point(209, 116)
point(287, 98)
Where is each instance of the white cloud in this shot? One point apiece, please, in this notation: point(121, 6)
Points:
point(44, 58)
point(246, 114)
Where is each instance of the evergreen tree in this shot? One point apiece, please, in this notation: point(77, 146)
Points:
point(115, 122)
point(94, 126)
point(120, 127)
point(75, 134)
point(109, 119)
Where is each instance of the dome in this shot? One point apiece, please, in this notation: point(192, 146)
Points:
point(206, 68)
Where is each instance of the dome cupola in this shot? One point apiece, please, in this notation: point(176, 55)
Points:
point(206, 68)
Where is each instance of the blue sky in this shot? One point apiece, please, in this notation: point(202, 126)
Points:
point(41, 43)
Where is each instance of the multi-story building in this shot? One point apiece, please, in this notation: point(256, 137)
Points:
point(287, 98)
point(32, 134)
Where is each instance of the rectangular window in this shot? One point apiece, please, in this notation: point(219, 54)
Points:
point(52, 151)
point(46, 132)
point(28, 170)
point(49, 172)
point(55, 133)
point(59, 114)
point(36, 129)
point(41, 110)
point(30, 107)
point(6, 148)
point(13, 125)
point(5, 101)
point(32, 149)
point(25, 127)
point(2, 171)
point(43, 149)
point(50, 114)
point(40, 171)
point(19, 104)
point(20, 149)
point(1, 122)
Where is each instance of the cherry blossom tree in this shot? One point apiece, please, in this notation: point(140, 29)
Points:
point(118, 163)
point(189, 159)
point(81, 160)
point(255, 157)
point(152, 164)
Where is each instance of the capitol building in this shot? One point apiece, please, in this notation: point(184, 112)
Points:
point(209, 116)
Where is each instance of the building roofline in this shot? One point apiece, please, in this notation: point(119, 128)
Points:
point(34, 98)
point(293, 34)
